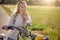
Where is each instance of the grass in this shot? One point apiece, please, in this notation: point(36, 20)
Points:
point(44, 19)
point(7, 10)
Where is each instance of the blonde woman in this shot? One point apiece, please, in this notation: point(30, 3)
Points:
point(19, 19)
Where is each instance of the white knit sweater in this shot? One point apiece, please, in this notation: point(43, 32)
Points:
point(18, 22)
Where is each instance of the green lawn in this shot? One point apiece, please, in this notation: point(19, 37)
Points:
point(44, 19)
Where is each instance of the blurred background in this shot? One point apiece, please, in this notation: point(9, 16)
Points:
point(34, 2)
point(45, 15)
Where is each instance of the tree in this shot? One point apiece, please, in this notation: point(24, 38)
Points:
point(2, 1)
point(12, 1)
point(33, 2)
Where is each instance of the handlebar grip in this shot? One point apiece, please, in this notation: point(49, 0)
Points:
point(3, 28)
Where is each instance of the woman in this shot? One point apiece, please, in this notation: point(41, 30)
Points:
point(18, 19)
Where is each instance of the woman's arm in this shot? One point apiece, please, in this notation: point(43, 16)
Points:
point(28, 20)
point(10, 23)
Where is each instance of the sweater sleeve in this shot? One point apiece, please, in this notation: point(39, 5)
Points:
point(10, 23)
point(28, 20)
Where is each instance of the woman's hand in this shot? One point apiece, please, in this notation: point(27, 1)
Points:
point(5, 28)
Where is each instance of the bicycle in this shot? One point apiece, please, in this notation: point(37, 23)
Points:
point(28, 34)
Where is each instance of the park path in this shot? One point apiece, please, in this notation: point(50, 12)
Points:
point(3, 21)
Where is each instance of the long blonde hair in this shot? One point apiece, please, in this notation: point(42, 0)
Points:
point(24, 15)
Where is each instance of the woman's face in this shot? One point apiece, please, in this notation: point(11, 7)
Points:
point(22, 8)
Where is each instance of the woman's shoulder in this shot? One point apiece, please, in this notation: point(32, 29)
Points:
point(12, 15)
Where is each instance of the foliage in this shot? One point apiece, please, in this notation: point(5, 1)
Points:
point(44, 19)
